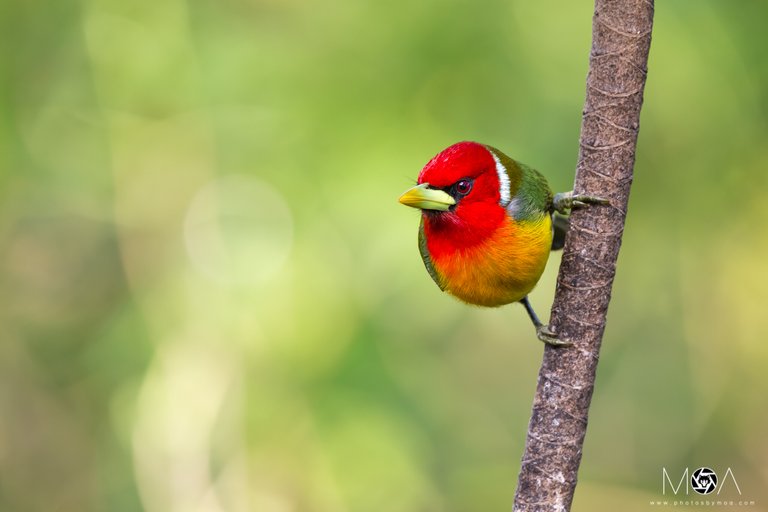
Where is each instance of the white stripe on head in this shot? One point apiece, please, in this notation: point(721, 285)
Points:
point(504, 188)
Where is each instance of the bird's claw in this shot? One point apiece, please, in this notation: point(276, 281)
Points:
point(565, 201)
point(584, 200)
point(548, 336)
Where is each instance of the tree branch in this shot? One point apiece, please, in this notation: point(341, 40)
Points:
point(621, 38)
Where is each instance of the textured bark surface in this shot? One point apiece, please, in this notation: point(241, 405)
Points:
point(621, 37)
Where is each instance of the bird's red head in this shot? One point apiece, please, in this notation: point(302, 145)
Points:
point(463, 192)
point(463, 160)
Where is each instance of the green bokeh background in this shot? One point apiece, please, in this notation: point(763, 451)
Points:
point(210, 299)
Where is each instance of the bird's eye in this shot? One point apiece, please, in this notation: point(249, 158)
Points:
point(463, 187)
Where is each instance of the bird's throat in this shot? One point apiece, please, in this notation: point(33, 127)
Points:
point(462, 228)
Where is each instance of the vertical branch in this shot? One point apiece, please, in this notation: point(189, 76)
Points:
point(621, 38)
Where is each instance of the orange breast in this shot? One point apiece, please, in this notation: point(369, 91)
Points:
point(502, 269)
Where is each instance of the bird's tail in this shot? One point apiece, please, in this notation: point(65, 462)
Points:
point(560, 226)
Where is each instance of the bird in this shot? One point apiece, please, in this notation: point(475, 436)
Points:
point(488, 224)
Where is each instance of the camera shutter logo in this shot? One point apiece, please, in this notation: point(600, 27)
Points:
point(704, 480)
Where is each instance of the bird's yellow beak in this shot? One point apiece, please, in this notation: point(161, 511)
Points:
point(421, 196)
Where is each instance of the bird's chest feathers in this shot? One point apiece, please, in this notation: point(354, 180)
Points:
point(491, 263)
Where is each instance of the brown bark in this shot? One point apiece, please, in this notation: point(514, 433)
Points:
point(621, 37)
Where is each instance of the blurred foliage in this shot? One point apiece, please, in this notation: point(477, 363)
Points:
point(211, 301)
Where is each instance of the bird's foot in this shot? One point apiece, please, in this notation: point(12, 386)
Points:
point(548, 336)
point(565, 201)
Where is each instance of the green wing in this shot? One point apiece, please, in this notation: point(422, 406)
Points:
point(425, 256)
point(534, 193)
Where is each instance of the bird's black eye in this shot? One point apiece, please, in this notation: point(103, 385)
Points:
point(463, 187)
